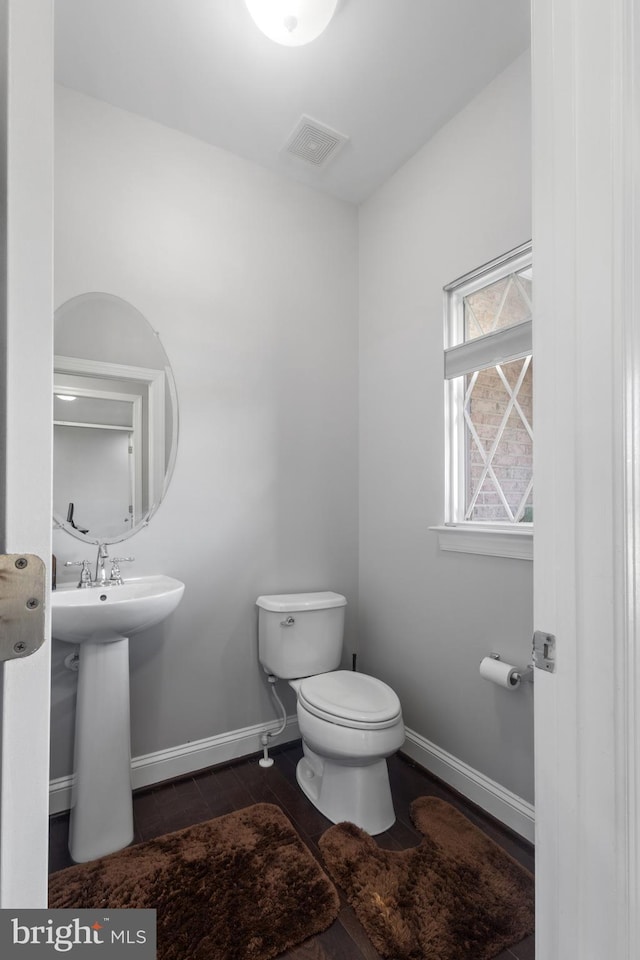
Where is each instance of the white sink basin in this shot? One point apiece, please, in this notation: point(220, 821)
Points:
point(105, 614)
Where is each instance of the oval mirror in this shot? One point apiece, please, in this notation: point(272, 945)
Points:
point(115, 419)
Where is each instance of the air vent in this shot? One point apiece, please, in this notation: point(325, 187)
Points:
point(314, 143)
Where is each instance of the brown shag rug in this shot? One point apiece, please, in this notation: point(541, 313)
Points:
point(240, 887)
point(456, 896)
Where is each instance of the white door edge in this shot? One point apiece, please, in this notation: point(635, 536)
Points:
point(586, 164)
point(26, 59)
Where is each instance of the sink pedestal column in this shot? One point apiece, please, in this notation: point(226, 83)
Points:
point(102, 809)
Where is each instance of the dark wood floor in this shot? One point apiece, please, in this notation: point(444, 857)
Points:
point(178, 804)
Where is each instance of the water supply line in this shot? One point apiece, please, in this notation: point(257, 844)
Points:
point(266, 760)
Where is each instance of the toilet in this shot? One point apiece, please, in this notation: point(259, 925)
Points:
point(349, 722)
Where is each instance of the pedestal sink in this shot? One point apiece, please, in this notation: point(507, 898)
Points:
point(101, 619)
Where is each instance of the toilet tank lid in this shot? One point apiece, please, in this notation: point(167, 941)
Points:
point(284, 602)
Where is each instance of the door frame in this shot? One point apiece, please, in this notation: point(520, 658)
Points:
point(586, 165)
point(26, 350)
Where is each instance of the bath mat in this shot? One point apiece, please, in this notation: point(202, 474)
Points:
point(240, 887)
point(456, 896)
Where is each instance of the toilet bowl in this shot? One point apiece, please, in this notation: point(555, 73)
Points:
point(349, 722)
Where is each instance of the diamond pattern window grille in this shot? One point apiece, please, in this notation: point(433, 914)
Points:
point(498, 426)
point(498, 305)
point(497, 410)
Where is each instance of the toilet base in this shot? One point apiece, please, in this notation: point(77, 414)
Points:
point(358, 794)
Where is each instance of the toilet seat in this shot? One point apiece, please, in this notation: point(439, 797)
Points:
point(350, 700)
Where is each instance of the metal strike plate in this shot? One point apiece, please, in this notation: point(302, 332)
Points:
point(544, 651)
point(22, 580)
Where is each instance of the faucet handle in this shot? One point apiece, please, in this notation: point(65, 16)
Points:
point(85, 573)
point(116, 576)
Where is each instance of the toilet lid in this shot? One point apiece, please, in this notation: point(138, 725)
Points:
point(350, 699)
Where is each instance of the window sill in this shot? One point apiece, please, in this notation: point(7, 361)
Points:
point(490, 541)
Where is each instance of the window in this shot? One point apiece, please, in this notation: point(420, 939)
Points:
point(489, 396)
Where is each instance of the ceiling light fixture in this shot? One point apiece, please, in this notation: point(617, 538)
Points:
point(65, 396)
point(292, 22)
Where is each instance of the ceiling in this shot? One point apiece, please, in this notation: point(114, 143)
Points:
point(386, 73)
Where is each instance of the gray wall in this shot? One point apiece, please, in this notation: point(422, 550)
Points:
point(251, 282)
point(427, 617)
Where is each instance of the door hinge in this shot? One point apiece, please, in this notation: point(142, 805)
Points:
point(22, 592)
point(544, 651)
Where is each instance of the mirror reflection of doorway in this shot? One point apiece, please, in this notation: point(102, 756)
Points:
point(100, 469)
point(97, 398)
point(98, 459)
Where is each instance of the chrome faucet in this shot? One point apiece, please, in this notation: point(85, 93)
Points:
point(101, 573)
point(101, 578)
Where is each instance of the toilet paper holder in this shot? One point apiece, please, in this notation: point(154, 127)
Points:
point(525, 674)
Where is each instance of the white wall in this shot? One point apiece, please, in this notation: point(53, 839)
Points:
point(251, 282)
point(426, 617)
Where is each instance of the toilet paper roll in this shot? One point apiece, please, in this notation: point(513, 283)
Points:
point(504, 674)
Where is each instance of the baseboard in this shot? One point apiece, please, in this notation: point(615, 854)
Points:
point(185, 759)
point(495, 799)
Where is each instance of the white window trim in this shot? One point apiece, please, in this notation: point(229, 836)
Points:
point(500, 346)
point(513, 541)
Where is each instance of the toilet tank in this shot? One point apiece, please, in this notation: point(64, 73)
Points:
point(300, 634)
